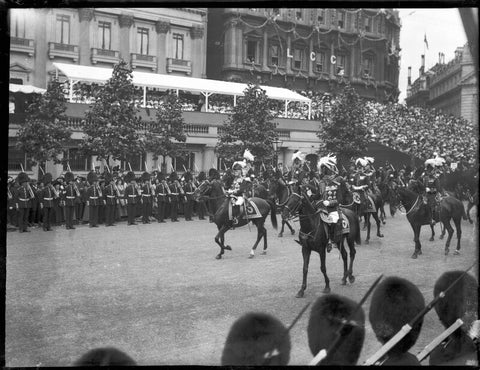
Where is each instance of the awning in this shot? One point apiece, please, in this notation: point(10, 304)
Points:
point(164, 81)
point(26, 89)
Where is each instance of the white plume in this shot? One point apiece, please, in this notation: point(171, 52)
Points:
point(247, 155)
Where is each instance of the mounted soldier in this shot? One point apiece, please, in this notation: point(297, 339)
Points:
point(328, 192)
point(298, 166)
point(241, 170)
point(432, 186)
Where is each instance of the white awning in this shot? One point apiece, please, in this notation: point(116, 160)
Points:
point(164, 81)
point(26, 89)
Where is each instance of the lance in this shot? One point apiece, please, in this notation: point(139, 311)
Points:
point(41, 169)
point(224, 165)
point(145, 163)
point(263, 166)
point(108, 168)
point(184, 168)
point(339, 337)
point(432, 345)
point(68, 166)
point(130, 167)
point(171, 166)
point(158, 167)
point(408, 327)
point(196, 168)
point(21, 166)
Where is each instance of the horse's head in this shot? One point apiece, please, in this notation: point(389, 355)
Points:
point(203, 190)
point(292, 204)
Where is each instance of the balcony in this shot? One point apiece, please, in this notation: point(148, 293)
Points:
point(105, 56)
point(56, 49)
point(179, 65)
point(22, 45)
point(142, 60)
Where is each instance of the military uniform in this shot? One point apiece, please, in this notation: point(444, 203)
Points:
point(201, 206)
point(94, 198)
point(147, 198)
point(23, 204)
point(432, 188)
point(189, 189)
point(47, 196)
point(110, 194)
point(131, 195)
point(328, 192)
point(174, 196)
point(161, 193)
point(70, 195)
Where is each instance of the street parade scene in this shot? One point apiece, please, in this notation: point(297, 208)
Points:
point(167, 187)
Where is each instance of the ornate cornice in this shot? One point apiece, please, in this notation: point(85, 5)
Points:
point(162, 26)
point(196, 32)
point(85, 14)
point(125, 20)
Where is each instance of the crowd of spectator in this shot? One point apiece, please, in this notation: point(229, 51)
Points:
point(336, 329)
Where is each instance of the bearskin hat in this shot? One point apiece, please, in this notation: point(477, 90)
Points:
point(188, 176)
point(160, 176)
point(460, 301)
point(108, 177)
point(129, 177)
point(92, 177)
point(325, 319)
point(202, 176)
point(69, 177)
point(213, 173)
point(395, 302)
point(47, 178)
point(145, 176)
point(173, 176)
point(252, 337)
point(105, 357)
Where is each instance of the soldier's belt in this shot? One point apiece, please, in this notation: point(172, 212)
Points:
point(189, 192)
point(173, 193)
point(110, 196)
point(23, 200)
point(132, 196)
point(146, 195)
point(93, 197)
point(160, 193)
point(47, 198)
point(68, 197)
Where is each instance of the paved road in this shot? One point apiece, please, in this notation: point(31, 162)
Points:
point(157, 292)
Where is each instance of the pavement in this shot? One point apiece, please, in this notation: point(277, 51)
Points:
point(157, 292)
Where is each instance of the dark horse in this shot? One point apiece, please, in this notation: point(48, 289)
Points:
point(213, 190)
point(418, 215)
point(280, 192)
point(313, 237)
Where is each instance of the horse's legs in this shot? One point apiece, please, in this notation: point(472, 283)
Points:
point(375, 216)
point(260, 234)
point(382, 211)
point(306, 252)
point(220, 239)
point(432, 237)
point(280, 234)
point(416, 238)
point(351, 247)
point(292, 231)
point(458, 226)
point(264, 230)
point(449, 228)
point(443, 229)
point(323, 268)
point(343, 252)
point(367, 220)
point(469, 207)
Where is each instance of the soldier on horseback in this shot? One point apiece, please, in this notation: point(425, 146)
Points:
point(328, 192)
point(432, 186)
point(242, 170)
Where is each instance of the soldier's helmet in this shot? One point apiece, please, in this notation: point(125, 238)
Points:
point(213, 173)
point(92, 177)
point(47, 178)
point(160, 176)
point(145, 176)
point(326, 318)
point(202, 176)
point(69, 177)
point(256, 338)
point(173, 176)
point(108, 177)
point(188, 176)
point(22, 177)
point(129, 177)
point(395, 302)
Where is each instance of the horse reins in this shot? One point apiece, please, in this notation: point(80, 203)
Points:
point(410, 210)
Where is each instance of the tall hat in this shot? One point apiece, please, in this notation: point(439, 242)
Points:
point(213, 173)
point(92, 177)
point(173, 176)
point(145, 176)
point(108, 177)
point(202, 176)
point(459, 302)
point(297, 154)
point(129, 177)
point(329, 162)
point(22, 177)
point(69, 176)
point(252, 337)
point(47, 178)
point(248, 156)
point(325, 319)
point(160, 176)
point(395, 302)
point(188, 176)
point(361, 161)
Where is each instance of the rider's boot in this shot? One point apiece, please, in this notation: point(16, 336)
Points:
point(235, 214)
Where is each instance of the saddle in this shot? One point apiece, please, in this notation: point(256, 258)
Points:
point(331, 218)
point(248, 210)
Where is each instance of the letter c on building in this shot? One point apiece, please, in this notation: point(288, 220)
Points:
point(333, 59)
point(312, 56)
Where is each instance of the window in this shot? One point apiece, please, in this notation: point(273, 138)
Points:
point(341, 19)
point(178, 45)
point(252, 51)
point(17, 157)
point(62, 30)
point(320, 62)
point(368, 24)
point(104, 34)
point(142, 40)
point(298, 14)
point(340, 66)
point(137, 163)
point(321, 16)
point(298, 58)
point(368, 66)
point(76, 160)
point(17, 25)
point(187, 161)
point(274, 55)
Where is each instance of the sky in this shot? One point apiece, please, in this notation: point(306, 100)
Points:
point(444, 31)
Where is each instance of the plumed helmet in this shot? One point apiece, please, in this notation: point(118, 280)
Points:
point(69, 177)
point(460, 301)
point(430, 162)
point(202, 176)
point(369, 160)
point(297, 154)
point(173, 176)
point(329, 161)
point(10, 180)
point(213, 173)
point(47, 178)
point(361, 162)
point(326, 317)
point(252, 337)
point(108, 177)
point(160, 176)
point(251, 172)
point(248, 156)
point(395, 302)
point(188, 176)
point(129, 177)
point(22, 177)
point(238, 165)
point(145, 176)
point(92, 177)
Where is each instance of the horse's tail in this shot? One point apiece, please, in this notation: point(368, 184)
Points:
point(273, 213)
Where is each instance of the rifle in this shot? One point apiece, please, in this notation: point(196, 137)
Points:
point(434, 343)
point(130, 167)
point(41, 169)
point(145, 163)
point(322, 355)
point(21, 166)
point(382, 354)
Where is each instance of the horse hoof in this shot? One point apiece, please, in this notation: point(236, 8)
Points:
point(299, 294)
point(456, 252)
point(441, 237)
point(218, 256)
point(326, 290)
point(419, 252)
point(251, 255)
point(264, 252)
point(367, 241)
point(293, 232)
point(351, 279)
point(446, 251)
point(383, 222)
point(228, 248)
point(414, 255)
point(432, 239)
point(471, 221)
point(380, 235)
point(280, 235)
point(344, 281)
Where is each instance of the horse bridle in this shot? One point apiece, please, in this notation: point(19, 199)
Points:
point(207, 196)
point(297, 205)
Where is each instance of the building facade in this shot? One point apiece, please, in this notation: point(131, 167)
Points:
point(450, 88)
point(307, 49)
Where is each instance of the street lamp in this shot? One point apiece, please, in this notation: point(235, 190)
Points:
point(277, 144)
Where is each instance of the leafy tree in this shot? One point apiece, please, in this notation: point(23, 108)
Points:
point(250, 127)
point(166, 136)
point(343, 133)
point(44, 135)
point(112, 122)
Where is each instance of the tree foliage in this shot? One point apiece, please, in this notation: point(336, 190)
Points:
point(250, 127)
point(343, 133)
point(45, 133)
point(112, 123)
point(166, 136)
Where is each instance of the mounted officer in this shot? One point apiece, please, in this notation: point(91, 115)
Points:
point(432, 186)
point(298, 166)
point(328, 192)
point(242, 169)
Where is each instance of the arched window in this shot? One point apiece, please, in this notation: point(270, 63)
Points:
point(252, 48)
point(299, 61)
point(368, 64)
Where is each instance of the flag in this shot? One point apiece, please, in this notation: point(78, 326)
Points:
point(425, 40)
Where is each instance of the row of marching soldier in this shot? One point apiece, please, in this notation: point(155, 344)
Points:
point(106, 198)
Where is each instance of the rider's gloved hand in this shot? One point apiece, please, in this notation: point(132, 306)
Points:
point(326, 203)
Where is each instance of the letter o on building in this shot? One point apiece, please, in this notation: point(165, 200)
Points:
point(333, 59)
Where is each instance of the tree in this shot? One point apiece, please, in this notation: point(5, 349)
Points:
point(45, 133)
point(112, 123)
point(166, 136)
point(250, 127)
point(343, 133)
